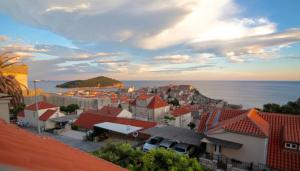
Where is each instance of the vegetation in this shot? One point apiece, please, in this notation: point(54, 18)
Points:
point(69, 109)
point(14, 111)
point(192, 125)
point(168, 119)
point(93, 82)
point(174, 102)
point(8, 84)
point(289, 108)
point(155, 160)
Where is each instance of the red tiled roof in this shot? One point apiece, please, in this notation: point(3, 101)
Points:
point(180, 111)
point(87, 120)
point(21, 114)
point(22, 149)
point(278, 157)
point(46, 115)
point(291, 133)
point(224, 115)
point(112, 111)
point(157, 102)
point(202, 122)
point(249, 123)
point(143, 97)
point(41, 105)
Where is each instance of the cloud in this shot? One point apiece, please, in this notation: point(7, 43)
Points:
point(240, 50)
point(21, 48)
point(182, 58)
point(3, 38)
point(110, 61)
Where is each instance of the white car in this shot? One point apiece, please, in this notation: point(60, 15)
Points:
point(183, 148)
point(167, 144)
point(151, 143)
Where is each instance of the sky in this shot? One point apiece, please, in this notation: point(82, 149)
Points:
point(154, 40)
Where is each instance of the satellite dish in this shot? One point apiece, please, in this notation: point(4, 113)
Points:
point(135, 134)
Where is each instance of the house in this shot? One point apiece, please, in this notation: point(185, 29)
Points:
point(114, 111)
point(149, 107)
point(22, 150)
point(252, 136)
point(88, 119)
point(4, 110)
point(183, 117)
point(46, 112)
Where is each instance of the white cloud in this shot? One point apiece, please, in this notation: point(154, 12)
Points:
point(177, 59)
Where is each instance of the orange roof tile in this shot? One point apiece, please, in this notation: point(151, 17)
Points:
point(22, 149)
point(249, 123)
point(87, 120)
point(108, 110)
point(291, 133)
point(46, 115)
point(180, 111)
point(202, 122)
point(143, 97)
point(41, 105)
point(157, 102)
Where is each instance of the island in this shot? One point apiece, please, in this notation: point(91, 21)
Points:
point(99, 82)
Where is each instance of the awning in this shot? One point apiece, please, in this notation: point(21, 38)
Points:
point(175, 133)
point(223, 143)
point(120, 128)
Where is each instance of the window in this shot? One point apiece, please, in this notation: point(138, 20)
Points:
point(290, 146)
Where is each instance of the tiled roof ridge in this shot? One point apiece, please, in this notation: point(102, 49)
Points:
point(258, 121)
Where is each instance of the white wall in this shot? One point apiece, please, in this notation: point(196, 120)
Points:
point(4, 111)
point(30, 116)
point(254, 149)
point(182, 121)
point(125, 114)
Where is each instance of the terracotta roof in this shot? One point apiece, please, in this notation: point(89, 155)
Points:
point(291, 133)
point(157, 102)
point(180, 111)
point(21, 114)
point(249, 123)
point(22, 149)
point(112, 111)
point(41, 105)
point(278, 157)
point(224, 115)
point(143, 97)
point(202, 122)
point(46, 115)
point(87, 120)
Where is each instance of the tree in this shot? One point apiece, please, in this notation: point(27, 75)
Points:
point(17, 109)
point(271, 107)
point(163, 159)
point(174, 102)
point(168, 119)
point(72, 108)
point(158, 159)
point(288, 108)
point(191, 125)
point(8, 84)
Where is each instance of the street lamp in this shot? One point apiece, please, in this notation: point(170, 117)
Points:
point(36, 106)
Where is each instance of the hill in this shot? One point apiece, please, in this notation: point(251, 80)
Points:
point(93, 82)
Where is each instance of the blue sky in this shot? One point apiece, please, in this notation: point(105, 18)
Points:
point(170, 40)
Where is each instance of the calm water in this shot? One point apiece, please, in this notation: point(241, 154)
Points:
point(247, 93)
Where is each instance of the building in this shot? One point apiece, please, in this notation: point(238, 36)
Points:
point(22, 150)
point(150, 108)
point(183, 117)
point(20, 72)
point(113, 111)
point(4, 110)
point(46, 112)
point(254, 137)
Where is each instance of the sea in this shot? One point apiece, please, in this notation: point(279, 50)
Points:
point(247, 93)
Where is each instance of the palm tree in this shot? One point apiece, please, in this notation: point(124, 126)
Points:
point(8, 84)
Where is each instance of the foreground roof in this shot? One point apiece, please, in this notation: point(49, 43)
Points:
point(88, 120)
point(22, 149)
point(41, 105)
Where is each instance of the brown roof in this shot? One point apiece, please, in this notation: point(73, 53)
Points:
point(46, 115)
point(41, 105)
point(291, 133)
point(108, 110)
point(180, 111)
point(157, 102)
point(22, 149)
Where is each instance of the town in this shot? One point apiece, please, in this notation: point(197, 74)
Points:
point(177, 117)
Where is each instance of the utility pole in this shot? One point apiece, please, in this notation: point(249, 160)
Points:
point(36, 106)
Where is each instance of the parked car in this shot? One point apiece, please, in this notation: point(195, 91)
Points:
point(151, 143)
point(167, 144)
point(183, 148)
